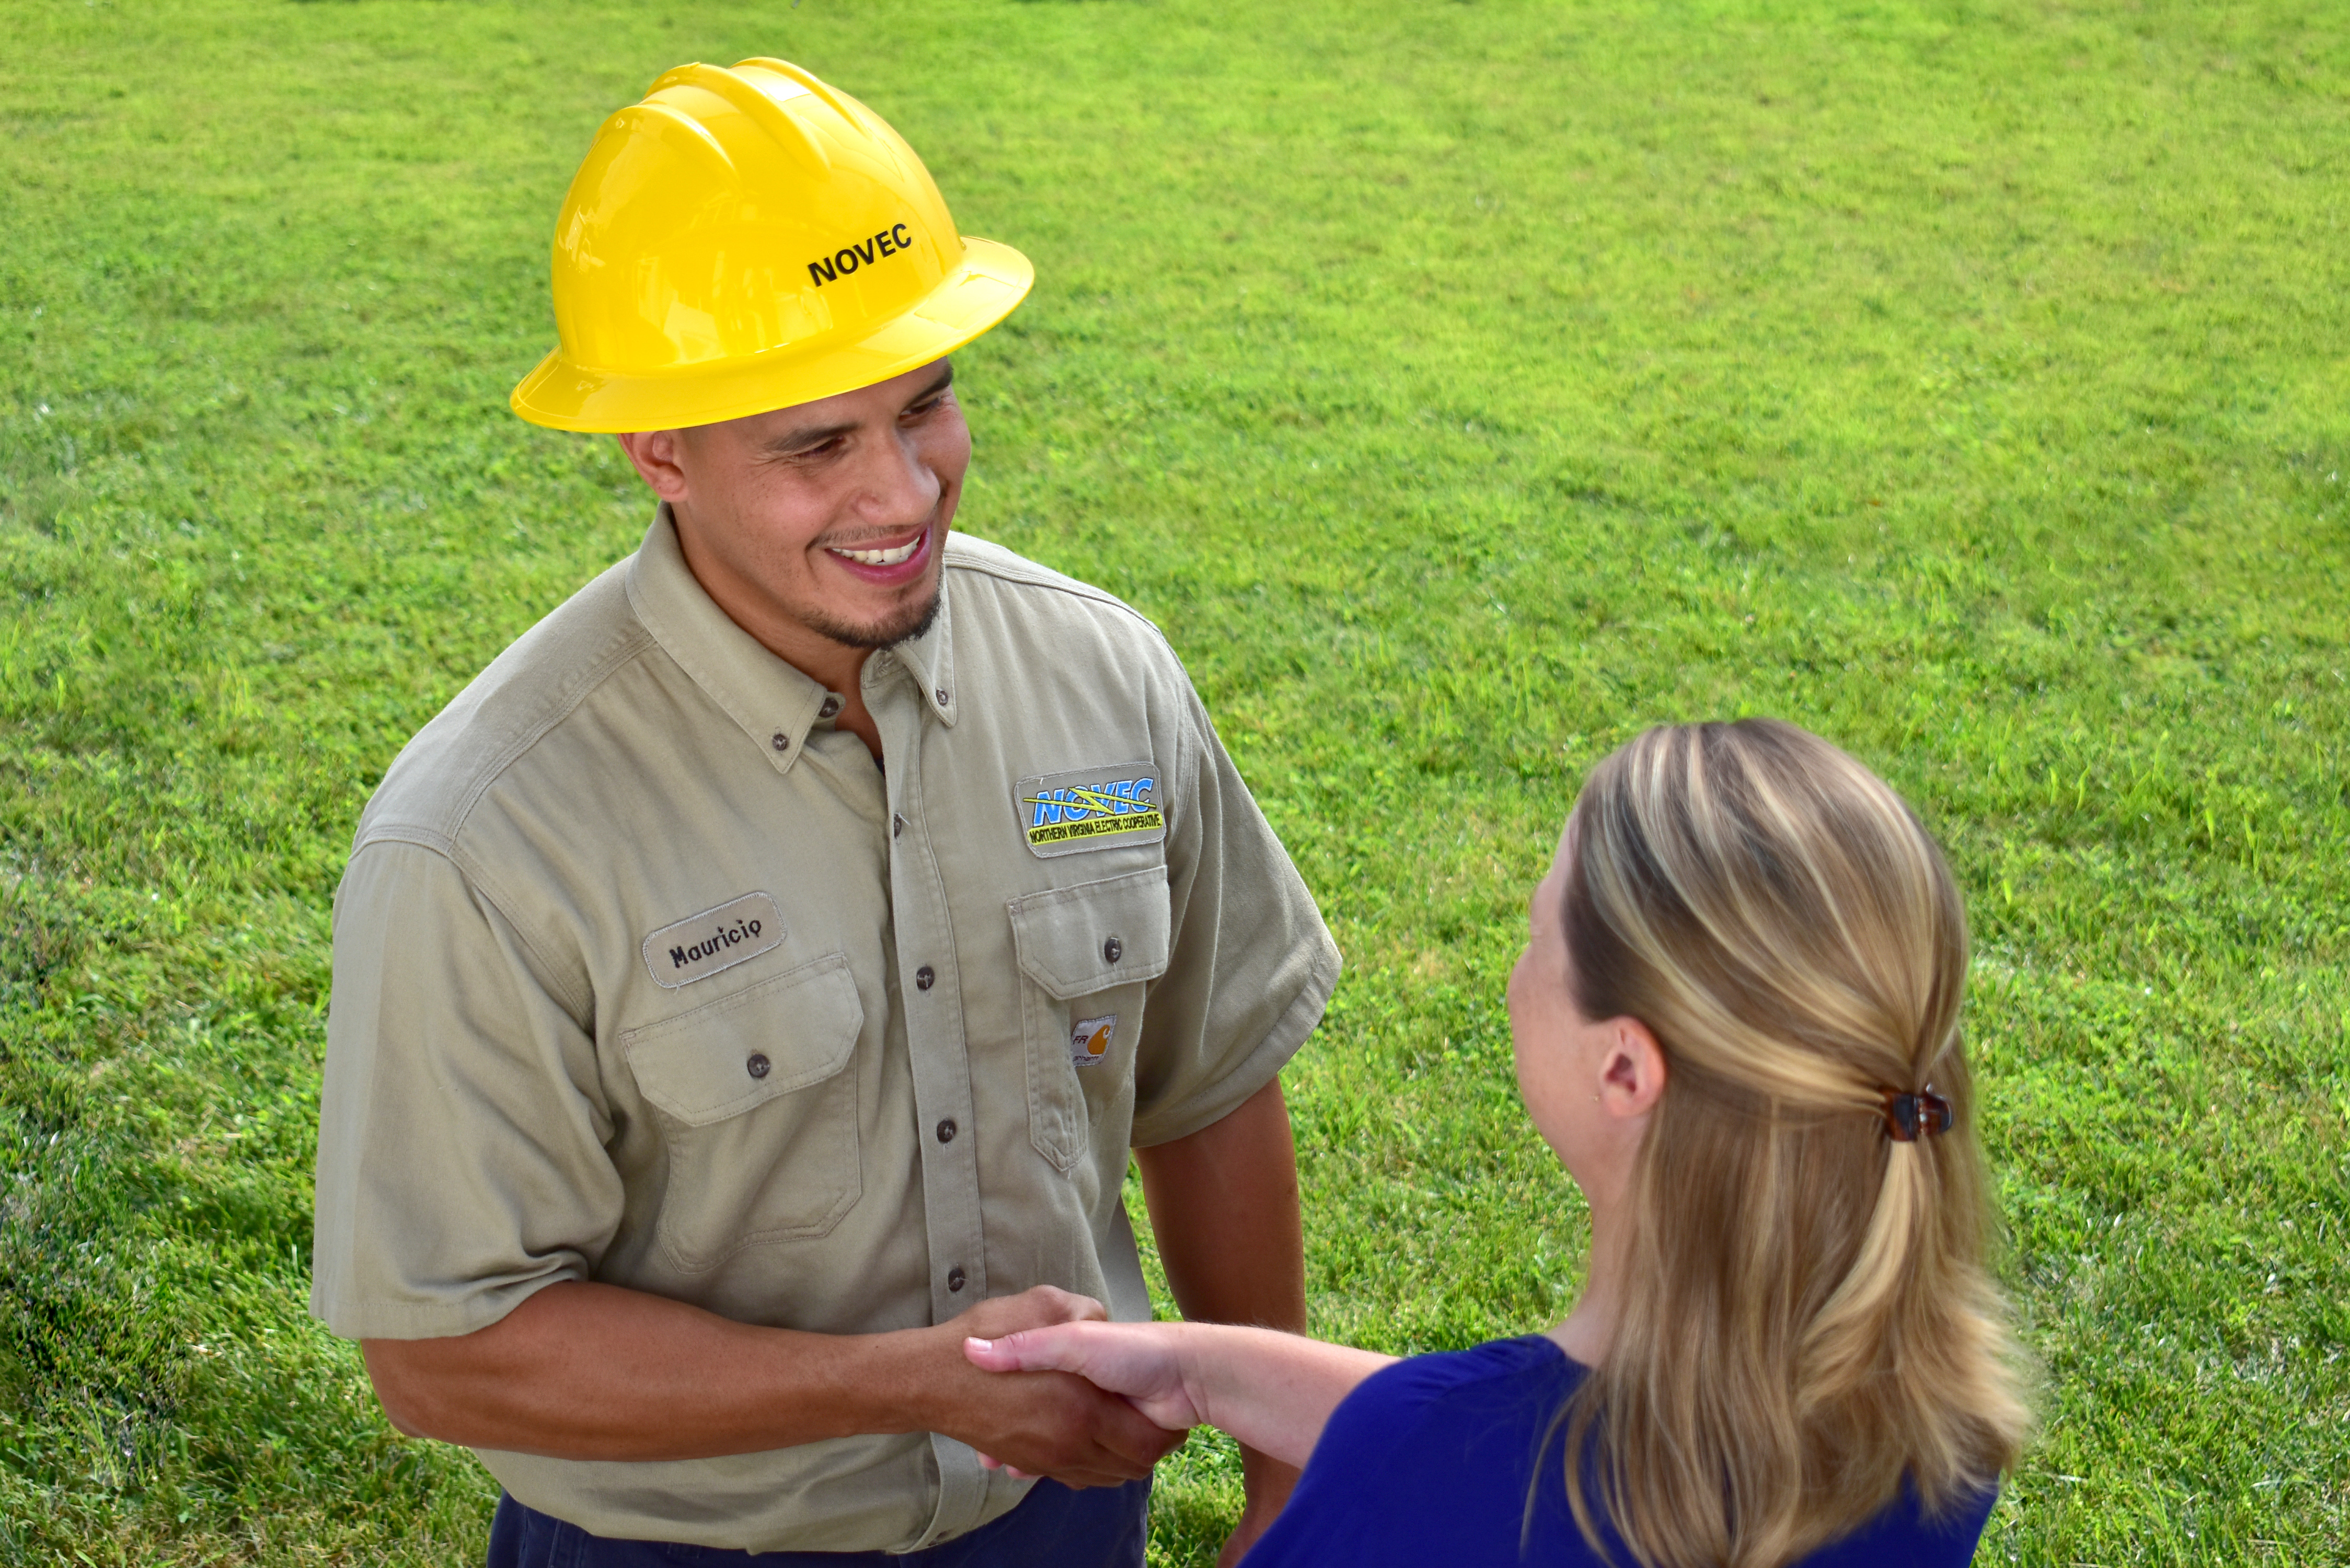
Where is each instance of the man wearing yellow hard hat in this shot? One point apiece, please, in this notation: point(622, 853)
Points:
point(756, 980)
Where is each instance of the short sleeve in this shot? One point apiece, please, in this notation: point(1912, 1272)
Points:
point(1433, 1459)
point(1251, 964)
point(462, 1160)
point(1384, 1485)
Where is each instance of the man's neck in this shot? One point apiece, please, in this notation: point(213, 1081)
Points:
point(833, 665)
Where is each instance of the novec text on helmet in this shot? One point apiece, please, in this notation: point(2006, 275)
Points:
point(848, 258)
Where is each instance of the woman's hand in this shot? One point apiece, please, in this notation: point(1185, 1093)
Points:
point(1272, 1391)
point(1143, 1362)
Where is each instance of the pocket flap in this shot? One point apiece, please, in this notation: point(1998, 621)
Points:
point(1077, 941)
point(725, 1056)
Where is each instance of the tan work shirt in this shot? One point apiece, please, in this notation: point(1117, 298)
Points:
point(646, 973)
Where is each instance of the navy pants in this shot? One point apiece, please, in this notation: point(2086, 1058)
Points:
point(1054, 1526)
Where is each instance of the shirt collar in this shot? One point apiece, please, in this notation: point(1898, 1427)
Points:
point(773, 702)
point(929, 660)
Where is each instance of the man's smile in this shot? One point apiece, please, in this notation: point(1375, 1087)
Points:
point(888, 561)
point(881, 558)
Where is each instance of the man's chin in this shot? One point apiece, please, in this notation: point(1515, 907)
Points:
point(901, 625)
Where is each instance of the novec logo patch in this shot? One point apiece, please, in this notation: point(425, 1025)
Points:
point(1091, 808)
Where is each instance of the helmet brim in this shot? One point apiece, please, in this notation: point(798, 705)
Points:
point(992, 279)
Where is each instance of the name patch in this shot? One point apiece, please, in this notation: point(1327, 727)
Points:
point(862, 253)
point(701, 945)
point(1091, 808)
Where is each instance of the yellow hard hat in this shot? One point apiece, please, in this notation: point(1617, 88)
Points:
point(748, 239)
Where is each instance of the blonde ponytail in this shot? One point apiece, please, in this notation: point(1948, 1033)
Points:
point(1808, 1320)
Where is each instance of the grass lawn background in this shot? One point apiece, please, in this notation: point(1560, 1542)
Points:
point(1463, 387)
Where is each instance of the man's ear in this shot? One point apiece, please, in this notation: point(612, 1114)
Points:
point(1632, 1079)
point(655, 453)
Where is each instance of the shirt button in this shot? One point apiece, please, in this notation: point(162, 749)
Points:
point(924, 977)
point(1113, 950)
point(782, 741)
point(947, 1130)
point(831, 706)
point(954, 1278)
point(941, 695)
point(897, 825)
point(758, 1065)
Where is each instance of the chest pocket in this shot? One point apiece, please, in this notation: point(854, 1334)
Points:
point(1087, 954)
point(757, 1112)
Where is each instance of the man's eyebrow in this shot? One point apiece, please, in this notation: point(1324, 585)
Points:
point(945, 379)
point(816, 435)
point(801, 440)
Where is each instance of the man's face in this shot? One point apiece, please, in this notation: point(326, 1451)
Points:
point(829, 518)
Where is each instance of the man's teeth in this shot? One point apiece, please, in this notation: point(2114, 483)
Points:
point(904, 551)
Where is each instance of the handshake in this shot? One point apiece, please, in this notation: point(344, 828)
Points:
point(1134, 1390)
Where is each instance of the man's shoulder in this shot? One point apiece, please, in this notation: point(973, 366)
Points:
point(1041, 601)
point(526, 692)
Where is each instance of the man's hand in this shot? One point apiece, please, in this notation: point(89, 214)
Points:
point(1139, 1361)
point(1046, 1423)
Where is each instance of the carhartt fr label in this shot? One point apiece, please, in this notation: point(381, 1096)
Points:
point(1091, 808)
point(1089, 1039)
point(701, 945)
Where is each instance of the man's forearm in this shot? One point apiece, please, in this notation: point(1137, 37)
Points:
point(1224, 1207)
point(596, 1372)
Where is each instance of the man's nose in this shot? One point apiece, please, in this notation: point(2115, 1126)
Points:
point(899, 487)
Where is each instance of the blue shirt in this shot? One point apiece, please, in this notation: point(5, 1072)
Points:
point(1428, 1461)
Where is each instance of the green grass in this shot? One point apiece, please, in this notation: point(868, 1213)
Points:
point(1463, 387)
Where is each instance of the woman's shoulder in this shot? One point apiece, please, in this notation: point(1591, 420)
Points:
point(1437, 1457)
point(1499, 1394)
point(1513, 1369)
point(1904, 1534)
point(1428, 1460)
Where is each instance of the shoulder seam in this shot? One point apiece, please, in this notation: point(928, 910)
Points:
point(630, 645)
point(583, 1008)
point(1045, 577)
point(472, 869)
point(441, 844)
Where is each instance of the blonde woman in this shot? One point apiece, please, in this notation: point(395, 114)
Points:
point(1736, 1022)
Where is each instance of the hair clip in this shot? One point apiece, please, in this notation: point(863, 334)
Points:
point(1908, 1117)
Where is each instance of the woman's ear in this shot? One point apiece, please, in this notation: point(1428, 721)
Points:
point(1632, 1077)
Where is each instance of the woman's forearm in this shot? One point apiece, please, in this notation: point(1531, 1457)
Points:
point(1272, 1391)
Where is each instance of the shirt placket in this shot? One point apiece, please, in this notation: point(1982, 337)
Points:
point(930, 993)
